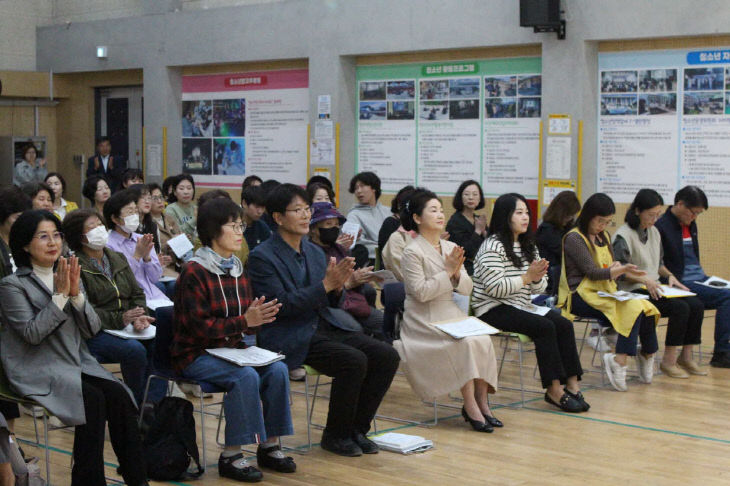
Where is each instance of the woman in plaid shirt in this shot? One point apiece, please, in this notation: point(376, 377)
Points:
point(213, 308)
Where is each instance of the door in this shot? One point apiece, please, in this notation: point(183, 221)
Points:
point(119, 117)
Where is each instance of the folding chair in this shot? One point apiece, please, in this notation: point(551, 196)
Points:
point(521, 340)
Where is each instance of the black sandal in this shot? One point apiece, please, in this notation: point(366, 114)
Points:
point(567, 403)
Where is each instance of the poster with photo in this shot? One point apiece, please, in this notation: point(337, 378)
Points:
point(437, 125)
point(239, 124)
point(664, 123)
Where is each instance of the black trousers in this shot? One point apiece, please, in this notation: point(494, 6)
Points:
point(361, 368)
point(553, 335)
point(107, 401)
point(685, 319)
point(9, 410)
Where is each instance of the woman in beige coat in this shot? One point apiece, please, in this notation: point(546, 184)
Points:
point(435, 363)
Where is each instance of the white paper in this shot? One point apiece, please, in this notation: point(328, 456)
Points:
point(251, 356)
point(550, 192)
point(154, 160)
point(557, 158)
point(155, 303)
point(167, 278)
point(539, 310)
point(324, 129)
point(353, 229)
point(559, 126)
point(468, 326)
point(322, 151)
point(622, 295)
point(324, 106)
point(180, 245)
point(129, 333)
point(720, 282)
point(670, 292)
point(386, 276)
point(403, 443)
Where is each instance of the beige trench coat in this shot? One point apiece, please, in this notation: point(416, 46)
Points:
point(435, 363)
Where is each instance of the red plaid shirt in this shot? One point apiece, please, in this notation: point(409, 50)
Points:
point(201, 319)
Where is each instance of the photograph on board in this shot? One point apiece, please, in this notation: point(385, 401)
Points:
point(618, 104)
point(529, 85)
point(496, 86)
point(463, 109)
point(372, 90)
point(372, 110)
point(528, 107)
point(704, 103)
point(658, 80)
point(229, 156)
point(703, 79)
point(658, 104)
point(197, 119)
point(229, 118)
point(196, 156)
point(464, 88)
point(401, 90)
point(500, 107)
point(618, 81)
point(401, 110)
point(434, 90)
point(434, 110)
point(727, 103)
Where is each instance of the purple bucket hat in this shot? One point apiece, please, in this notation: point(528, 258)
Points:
point(325, 210)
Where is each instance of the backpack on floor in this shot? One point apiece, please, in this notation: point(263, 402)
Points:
point(169, 441)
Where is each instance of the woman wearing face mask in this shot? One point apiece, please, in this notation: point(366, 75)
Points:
point(359, 303)
point(118, 300)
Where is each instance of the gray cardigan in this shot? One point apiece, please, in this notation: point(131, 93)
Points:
point(43, 348)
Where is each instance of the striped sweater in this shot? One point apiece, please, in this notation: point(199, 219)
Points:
point(497, 281)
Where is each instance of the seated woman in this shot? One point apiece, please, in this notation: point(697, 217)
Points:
point(182, 211)
point(466, 228)
point(557, 220)
point(61, 207)
point(96, 190)
point(358, 307)
point(638, 242)
point(392, 222)
point(432, 270)
point(46, 318)
point(320, 192)
point(507, 270)
point(132, 177)
point(165, 231)
point(589, 267)
point(213, 308)
point(117, 298)
point(40, 194)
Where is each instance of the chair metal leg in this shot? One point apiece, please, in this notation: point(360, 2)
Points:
point(309, 413)
point(218, 430)
point(47, 446)
point(204, 459)
point(522, 383)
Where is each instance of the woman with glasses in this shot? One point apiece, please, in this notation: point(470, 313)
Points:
point(46, 318)
point(639, 242)
point(589, 267)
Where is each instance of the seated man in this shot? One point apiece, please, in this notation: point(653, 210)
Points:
point(292, 269)
point(253, 202)
point(682, 257)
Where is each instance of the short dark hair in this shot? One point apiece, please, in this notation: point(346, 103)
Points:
point(210, 195)
point(565, 204)
point(27, 147)
point(249, 181)
point(23, 231)
point(116, 202)
point(73, 226)
point(368, 179)
point(13, 200)
point(500, 228)
point(318, 179)
point(692, 197)
point(269, 185)
point(152, 186)
point(102, 139)
point(33, 188)
point(415, 204)
point(254, 195)
point(130, 174)
point(644, 199)
point(283, 194)
point(167, 184)
point(176, 182)
point(213, 215)
point(599, 204)
point(90, 184)
point(397, 203)
point(458, 203)
point(60, 178)
point(316, 186)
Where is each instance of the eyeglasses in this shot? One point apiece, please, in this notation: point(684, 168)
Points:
point(157, 198)
point(145, 198)
point(46, 237)
point(300, 211)
point(237, 228)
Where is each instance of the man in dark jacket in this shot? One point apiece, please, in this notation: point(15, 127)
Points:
point(682, 257)
point(103, 163)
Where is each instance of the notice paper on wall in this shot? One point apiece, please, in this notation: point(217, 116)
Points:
point(557, 158)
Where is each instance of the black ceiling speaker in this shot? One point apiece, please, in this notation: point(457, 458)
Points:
point(542, 16)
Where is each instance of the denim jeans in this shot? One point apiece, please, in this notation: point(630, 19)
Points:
point(167, 287)
point(135, 359)
point(716, 298)
point(257, 399)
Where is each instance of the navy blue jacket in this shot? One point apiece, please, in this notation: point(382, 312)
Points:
point(272, 271)
point(671, 231)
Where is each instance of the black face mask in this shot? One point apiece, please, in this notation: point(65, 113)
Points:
point(328, 236)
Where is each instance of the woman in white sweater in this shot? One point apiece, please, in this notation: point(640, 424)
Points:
point(507, 269)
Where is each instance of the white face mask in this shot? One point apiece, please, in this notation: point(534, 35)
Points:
point(131, 223)
point(97, 238)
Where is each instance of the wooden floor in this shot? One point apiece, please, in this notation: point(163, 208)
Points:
point(670, 432)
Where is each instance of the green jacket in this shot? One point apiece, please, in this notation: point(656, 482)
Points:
point(111, 298)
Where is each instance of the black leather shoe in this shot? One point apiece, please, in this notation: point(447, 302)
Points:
point(493, 421)
point(231, 468)
point(278, 464)
point(720, 360)
point(567, 403)
point(579, 398)
point(476, 424)
point(340, 446)
point(366, 445)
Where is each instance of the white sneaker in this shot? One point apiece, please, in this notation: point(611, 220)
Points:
point(194, 390)
point(646, 367)
point(598, 343)
point(616, 373)
point(176, 391)
point(297, 374)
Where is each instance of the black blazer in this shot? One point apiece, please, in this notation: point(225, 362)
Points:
point(461, 232)
point(113, 173)
point(671, 231)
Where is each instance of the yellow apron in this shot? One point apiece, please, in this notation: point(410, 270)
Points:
point(621, 315)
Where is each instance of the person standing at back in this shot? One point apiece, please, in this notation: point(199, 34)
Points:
point(104, 164)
